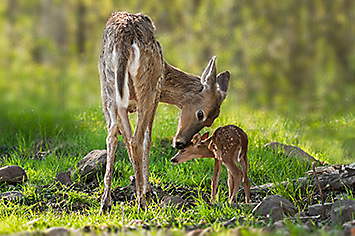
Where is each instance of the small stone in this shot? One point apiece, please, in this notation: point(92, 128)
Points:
point(317, 209)
point(276, 214)
point(64, 178)
point(90, 166)
point(273, 204)
point(279, 224)
point(12, 175)
point(57, 231)
point(300, 214)
point(175, 201)
point(86, 229)
point(13, 196)
point(342, 211)
point(349, 227)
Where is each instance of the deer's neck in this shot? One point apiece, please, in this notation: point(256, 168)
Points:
point(179, 86)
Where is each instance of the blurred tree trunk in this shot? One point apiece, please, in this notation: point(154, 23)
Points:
point(9, 31)
point(41, 53)
point(80, 32)
point(11, 8)
point(59, 29)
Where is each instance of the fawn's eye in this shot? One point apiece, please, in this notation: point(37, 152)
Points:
point(199, 114)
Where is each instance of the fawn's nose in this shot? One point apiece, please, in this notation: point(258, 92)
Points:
point(180, 145)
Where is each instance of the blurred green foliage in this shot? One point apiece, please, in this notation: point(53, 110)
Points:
point(292, 56)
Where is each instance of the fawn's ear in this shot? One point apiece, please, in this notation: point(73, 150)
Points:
point(210, 144)
point(196, 139)
point(205, 136)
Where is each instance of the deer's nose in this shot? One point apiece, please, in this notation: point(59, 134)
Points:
point(180, 145)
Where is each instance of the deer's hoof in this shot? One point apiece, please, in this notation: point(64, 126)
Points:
point(104, 209)
point(105, 204)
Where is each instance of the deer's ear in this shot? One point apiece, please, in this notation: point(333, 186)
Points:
point(196, 139)
point(222, 83)
point(208, 78)
point(205, 136)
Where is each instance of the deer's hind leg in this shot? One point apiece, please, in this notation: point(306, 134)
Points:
point(110, 110)
point(116, 116)
point(141, 143)
point(147, 77)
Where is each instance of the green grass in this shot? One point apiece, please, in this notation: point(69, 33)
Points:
point(77, 132)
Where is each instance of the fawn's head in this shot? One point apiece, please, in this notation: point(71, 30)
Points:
point(197, 148)
point(204, 107)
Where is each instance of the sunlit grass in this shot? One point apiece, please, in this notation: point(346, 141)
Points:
point(77, 132)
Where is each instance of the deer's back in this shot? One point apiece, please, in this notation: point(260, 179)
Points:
point(129, 44)
point(125, 28)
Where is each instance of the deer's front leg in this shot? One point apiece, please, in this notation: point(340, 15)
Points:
point(216, 172)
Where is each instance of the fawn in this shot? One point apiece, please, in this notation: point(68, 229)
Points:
point(227, 145)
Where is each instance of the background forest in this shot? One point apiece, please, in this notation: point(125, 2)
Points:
point(292, 66)
point(295, 58)
point(282, 54)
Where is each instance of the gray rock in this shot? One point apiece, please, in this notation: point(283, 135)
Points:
point(315, 210)
point(64, 178)
point(12, 196)
point(12, 175)
point(27, 233)
point(275, 207)
point(342, 211)
point(348, 227)
point(92, 164)
point(276, 214)
point(57, 231)
point(290, 151)
point(175, 201)
point(280, 224)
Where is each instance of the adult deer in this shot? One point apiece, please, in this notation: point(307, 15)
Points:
point(132, 68)
point(227, 145)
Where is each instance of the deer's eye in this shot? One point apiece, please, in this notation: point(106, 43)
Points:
point(199, 114)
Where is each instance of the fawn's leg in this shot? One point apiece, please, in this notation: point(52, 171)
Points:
point(214, 184)
point(237, 176)
point(230, 184)
point(246, 182)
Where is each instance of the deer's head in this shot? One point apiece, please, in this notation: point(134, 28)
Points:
point(197, 148)
point(201, 109)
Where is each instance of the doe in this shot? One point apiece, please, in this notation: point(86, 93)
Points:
point(227, 145)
